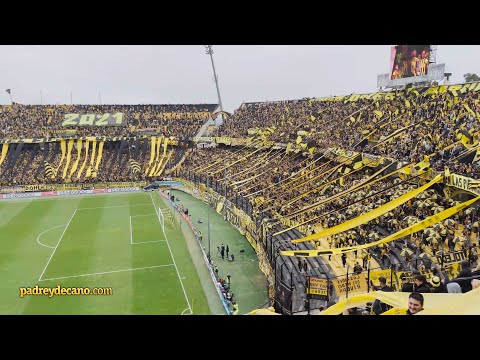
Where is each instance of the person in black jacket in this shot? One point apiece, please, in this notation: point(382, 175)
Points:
point(379, 307)
point(406, 285)
point(465, 285)
point(421, 285)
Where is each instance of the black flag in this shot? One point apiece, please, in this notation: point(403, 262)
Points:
point(8, 91)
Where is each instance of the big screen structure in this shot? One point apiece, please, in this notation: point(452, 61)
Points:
point(409, 61)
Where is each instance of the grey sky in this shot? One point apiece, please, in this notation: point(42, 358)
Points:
point(183, 74)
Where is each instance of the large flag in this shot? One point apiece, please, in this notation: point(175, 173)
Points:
point(136, 167)
point(8, 91)
point(49, 170)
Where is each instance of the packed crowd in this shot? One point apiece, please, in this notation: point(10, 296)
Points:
point(34, 121)
point(407, 127)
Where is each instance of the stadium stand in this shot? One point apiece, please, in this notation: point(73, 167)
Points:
point(287, 170)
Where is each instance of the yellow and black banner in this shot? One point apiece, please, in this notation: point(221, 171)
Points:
point(4, 153)
point(106, 119)
point(87, 146)
point(455, 90)
point(452, 257)
point(90, 168)
point(318, 287)
point(375, 274)
point(136, 167)
point(152, 153)
point(50, 171)
point(69, 157)
point(77, 160)
point(63, 147)
point(99, 159)
point(187, 115)
point(464, 183)
point(356, 284)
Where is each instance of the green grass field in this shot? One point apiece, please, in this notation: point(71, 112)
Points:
point(110, 241)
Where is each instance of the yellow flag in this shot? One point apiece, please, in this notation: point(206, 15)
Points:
point(398, 235)
point(371, 215)
point(469, 110)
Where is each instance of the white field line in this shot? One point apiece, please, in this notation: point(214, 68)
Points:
point(184, 311)
point(61, 237)
point(131, 237)
point(109, 207)
point(171, 254)
point(143, 215)
point(107, 272)
point(38, 237)
point(146, 242)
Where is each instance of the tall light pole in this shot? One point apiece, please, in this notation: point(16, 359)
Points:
point(209, 51)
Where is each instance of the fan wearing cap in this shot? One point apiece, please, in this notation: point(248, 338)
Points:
point(407, 286)
point(437, 285)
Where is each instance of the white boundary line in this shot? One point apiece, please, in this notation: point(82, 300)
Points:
point(131, 236)
point(143, 215)
point(55, 249)
point(109, 207)
point(146, 242)
point(184, 311)
point(171, 254)
point(107, 272)
point(38, 237)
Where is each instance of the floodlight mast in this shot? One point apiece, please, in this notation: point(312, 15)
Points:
point(209, 51)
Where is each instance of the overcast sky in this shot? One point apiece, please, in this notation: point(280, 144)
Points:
point(183, 74)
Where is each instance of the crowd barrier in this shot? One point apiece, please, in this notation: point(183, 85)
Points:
point(205, 257)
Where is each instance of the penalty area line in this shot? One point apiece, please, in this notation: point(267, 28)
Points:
point(107, 272)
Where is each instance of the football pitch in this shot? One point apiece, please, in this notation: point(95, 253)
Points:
point(125, 246)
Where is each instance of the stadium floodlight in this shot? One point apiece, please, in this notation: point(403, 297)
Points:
point(209, 51)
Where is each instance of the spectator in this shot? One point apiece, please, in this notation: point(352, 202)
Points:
point(415, 303)
point(378, 306)
point(406, 285)
point(421, 285)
